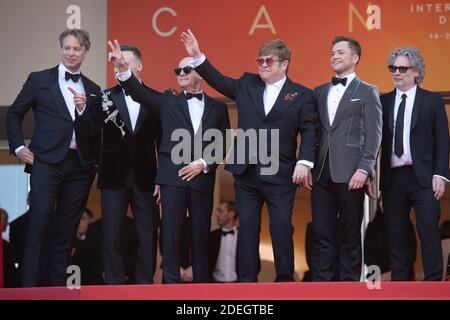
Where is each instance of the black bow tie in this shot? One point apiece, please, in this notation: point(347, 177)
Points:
point(224, 233)
point(199, 95)
point(74, 77)
point(336, 80)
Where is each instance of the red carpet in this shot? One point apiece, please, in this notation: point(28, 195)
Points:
point(246, 291)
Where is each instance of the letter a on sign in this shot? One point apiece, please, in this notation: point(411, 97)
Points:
point(74, 19)
point(268, 25)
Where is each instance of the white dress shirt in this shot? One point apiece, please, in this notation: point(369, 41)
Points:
point(196, 108)
point(335, 95)
point(406, 158)
point(271, 93)
point(225, 270)
point(133, 110)
point(68, 96)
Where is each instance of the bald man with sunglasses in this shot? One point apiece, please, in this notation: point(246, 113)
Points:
point(271, 103)
point(189, 185)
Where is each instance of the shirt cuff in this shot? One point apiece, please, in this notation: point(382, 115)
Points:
point(443, 178)
point(196, 62)
point(361, 170)
point(123, 76)
point(18, 149)
point(205, 166)
point(306, 163)
point(80, 112)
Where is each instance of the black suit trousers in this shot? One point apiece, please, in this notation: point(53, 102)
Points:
point(176, 202)
point(115, 204)
point(331, 200)
point(59, 193)
point(251, 193)
point(405, 192)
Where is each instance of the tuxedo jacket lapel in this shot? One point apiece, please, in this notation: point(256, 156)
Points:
point(391, 106)
point(118, 97)
point(143, 112)
point(140, 120)
point(57, 94)
point(345, 101)
point(323, 106)
point(416, 108)
point(257, 93)
point(286, 97)
point(209, 104)
point(181, 98)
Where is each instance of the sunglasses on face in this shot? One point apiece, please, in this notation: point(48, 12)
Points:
point(268, 60)
point(401, 69)
point(186, 70)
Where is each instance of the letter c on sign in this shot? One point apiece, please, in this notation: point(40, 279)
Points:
point(155, 17)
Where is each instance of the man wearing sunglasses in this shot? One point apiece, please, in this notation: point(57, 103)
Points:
point(349, 113)
point(184, 186)
point(414, 163)
point(266, 102)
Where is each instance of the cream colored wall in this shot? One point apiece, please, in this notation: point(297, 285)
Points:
point(29, 40)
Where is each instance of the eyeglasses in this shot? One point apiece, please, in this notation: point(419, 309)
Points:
point(268, 60)
point(401, 69)
point(186, 70)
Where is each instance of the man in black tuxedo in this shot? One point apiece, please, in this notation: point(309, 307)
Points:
point(222, 244)
point(126, 178)
point(349, 114)
point(61, 155)
point(275, 110)
point(186, 173)
point(414, 163)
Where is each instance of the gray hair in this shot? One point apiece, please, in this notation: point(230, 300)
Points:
point(415, 58)
point(81, 35)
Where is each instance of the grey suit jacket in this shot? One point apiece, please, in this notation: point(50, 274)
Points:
point(354, 137)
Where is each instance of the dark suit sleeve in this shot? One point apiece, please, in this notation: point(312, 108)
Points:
point(90, 122)
point(225, 85)
point(442, 140)
point(150, 99)
point(308, 128)
point(373, 124)
point(17, 111)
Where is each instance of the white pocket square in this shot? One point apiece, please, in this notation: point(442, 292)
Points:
point(353, 100)
point(93, 95)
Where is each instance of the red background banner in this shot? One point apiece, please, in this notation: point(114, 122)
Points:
point(222, 29)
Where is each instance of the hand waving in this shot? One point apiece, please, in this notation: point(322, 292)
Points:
point(116, 56)
point(191, 44)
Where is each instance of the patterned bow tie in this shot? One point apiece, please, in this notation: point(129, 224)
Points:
point(74, 77)
point(199, 95)
point(224, 233)
point(336, 80)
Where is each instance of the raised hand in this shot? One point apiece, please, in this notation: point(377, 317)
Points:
point(191, 44)
point(116, 56)
point(78, 99)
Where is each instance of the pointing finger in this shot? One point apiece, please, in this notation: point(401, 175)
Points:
point(73, 91)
